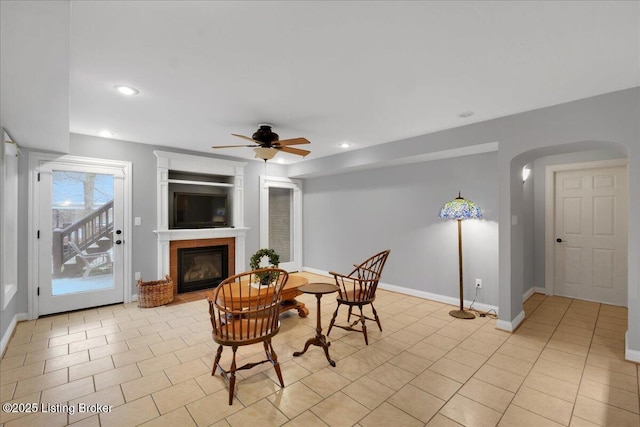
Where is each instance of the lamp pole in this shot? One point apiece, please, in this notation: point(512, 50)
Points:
point(460, 262)
point(461, 313)
point(460, 209)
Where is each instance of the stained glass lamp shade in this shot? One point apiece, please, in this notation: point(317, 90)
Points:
point(459, 209)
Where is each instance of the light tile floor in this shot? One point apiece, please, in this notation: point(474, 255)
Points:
point(564, 366)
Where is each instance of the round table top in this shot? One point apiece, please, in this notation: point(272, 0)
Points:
point(318, 288)
point(244, 295)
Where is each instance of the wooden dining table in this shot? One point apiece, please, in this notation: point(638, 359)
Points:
point(288, 300)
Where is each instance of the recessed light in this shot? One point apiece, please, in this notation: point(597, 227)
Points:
point(466, 114)
point(106, 134)
point(344, 145)
point(126, 90)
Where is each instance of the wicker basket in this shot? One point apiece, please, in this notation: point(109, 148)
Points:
point(153, 294)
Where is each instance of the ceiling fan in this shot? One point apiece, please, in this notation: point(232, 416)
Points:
point(269, 143)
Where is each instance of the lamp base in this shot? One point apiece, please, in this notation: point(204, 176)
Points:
point(462, 314)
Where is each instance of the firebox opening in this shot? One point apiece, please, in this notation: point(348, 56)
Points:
point(202, 267)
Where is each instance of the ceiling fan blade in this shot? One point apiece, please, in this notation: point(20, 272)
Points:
point(297, 151)
point(231, 146)
point(245, 137)
point(294, 141)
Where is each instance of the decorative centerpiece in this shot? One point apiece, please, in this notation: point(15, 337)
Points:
point(256, 259)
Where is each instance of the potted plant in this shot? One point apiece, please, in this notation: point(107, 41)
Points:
point(256, 259)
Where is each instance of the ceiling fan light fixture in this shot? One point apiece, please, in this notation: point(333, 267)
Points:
point(265, 153)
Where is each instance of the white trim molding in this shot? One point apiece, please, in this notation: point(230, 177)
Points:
point(630, 355)
point(8, 221)
point(510, 326)
point(295, 185)
point(9, 332)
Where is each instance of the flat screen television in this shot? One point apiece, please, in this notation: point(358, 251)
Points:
point(199, 210)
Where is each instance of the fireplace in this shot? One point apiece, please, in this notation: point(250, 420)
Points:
point(202, 268)
point(204, 263)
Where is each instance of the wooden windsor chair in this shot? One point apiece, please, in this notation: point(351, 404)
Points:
point(358, 289)
point(244, 310)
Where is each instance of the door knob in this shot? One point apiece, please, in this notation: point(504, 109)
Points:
point(559, 240)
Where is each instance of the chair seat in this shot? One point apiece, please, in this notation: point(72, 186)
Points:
point(354, 297)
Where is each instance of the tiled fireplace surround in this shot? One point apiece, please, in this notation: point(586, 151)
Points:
point(170, 240)
point(175, 245)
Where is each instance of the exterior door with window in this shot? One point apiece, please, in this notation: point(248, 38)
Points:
point(281, 220)
point(80, 236)
point(591, 234)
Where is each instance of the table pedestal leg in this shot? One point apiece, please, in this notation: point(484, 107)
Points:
point(319, 340)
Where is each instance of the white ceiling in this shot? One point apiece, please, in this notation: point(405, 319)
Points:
point(363, 72)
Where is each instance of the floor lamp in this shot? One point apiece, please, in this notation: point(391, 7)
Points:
point(460, 209)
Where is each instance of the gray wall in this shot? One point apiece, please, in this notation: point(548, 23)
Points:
point(351, 216)
point(528, 232)
point(144, 187)
point(609, 120)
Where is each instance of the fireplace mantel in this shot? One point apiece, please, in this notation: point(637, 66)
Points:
point(200, 233)
point(168, 161)
point(165, 237)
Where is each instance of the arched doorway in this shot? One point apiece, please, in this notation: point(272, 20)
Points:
point(529, 207)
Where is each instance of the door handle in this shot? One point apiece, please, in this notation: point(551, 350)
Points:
point(559, 240)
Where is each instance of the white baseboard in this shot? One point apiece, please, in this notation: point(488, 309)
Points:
point(420, 294)
point(9, 332)
point(316, 271)
point(630, 355)
point(510, 326)
point(533, 290)
point(134, 297)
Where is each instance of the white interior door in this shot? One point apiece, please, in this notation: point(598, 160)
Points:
point(591, 234)
point(281, 220)
point(80, 218)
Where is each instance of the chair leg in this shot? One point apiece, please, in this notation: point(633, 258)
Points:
point(349, 315)
point(273, 357)
point(375, 315)
point(232, 377)
point(333, 319)
point(216, 361)
point(364, 327)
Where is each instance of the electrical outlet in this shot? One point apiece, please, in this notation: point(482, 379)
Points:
point(137, 275)
point(478, 283)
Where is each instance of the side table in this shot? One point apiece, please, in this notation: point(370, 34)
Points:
point(318, 289)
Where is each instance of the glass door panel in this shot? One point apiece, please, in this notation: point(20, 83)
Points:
point(280, 237)
point(82, 231)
